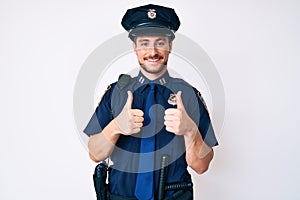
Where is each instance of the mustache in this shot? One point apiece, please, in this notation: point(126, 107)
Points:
point(156, 56)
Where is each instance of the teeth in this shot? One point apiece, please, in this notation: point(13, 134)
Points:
point(153, 60)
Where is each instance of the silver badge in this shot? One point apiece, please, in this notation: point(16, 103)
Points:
point(172, 99)
point(151, 13)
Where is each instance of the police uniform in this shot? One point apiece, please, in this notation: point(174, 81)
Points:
point(125, 157)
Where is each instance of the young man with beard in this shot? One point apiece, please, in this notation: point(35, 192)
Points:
point(142, 119)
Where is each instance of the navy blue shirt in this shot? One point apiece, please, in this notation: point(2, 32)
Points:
point(125, 156)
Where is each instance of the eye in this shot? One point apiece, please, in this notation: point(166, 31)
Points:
point(144, 44)
point(159, 44)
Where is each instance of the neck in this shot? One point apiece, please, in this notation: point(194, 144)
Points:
point(153, 76)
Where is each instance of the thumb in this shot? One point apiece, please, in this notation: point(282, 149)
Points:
point(129, 99)
point(179, 100)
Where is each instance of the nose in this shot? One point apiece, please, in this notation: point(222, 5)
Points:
point(152, 50)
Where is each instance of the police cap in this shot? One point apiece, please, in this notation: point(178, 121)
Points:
point(150, 20)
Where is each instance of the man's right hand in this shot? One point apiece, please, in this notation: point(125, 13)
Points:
point(129, 120)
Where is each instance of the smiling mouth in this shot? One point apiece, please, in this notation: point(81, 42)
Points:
point(153, 59)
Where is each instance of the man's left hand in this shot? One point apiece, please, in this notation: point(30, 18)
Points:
point(177, 120)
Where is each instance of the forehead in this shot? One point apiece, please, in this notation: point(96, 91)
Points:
point(151, 38)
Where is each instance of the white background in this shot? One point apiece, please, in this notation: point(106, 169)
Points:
point(254, 44)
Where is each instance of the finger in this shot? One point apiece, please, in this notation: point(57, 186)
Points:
point(167, 123)
point(138, 119)
point(129, 99)
point(137, 112)
point(171, 111)
point(179, 100)
point(138, 125)
point(170, 129)
point(171, 118)
point(136, 130)
point(171, 124)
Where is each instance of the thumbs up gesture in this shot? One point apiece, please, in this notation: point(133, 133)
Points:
point(129, 120)
point(177, 120)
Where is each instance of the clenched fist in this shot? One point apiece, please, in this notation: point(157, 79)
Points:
point(129, 120)
point(177, 120)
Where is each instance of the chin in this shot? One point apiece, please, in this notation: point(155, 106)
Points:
point(154, 70)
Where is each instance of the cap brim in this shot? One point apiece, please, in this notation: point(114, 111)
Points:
point(142, 31)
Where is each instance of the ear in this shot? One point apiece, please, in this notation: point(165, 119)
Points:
point(134, 46)
point(170, 47)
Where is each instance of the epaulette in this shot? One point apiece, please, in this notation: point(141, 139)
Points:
point(107, 89)
point(181, 81)
point(124, 80)
point(202, 100)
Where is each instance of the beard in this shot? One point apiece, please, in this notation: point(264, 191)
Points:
point(153, 69)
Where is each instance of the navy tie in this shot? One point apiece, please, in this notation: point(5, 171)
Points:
point(144, 182)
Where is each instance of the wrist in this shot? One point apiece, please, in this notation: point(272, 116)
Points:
point(190, 136)
point(192, 131)
point(115, 128)
point(112, 131)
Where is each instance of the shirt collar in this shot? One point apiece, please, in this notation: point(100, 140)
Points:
point(142, 80)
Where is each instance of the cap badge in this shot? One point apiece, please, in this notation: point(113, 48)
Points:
point(151, 13)
point(172, 99)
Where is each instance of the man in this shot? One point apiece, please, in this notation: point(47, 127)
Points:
point(142, 119)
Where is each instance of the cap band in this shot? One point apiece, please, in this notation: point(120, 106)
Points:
point(142, 31)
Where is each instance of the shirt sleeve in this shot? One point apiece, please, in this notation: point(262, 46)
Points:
point(101, 117)
point(203, 121)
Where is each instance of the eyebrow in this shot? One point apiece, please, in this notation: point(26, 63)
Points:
point(147, 40)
